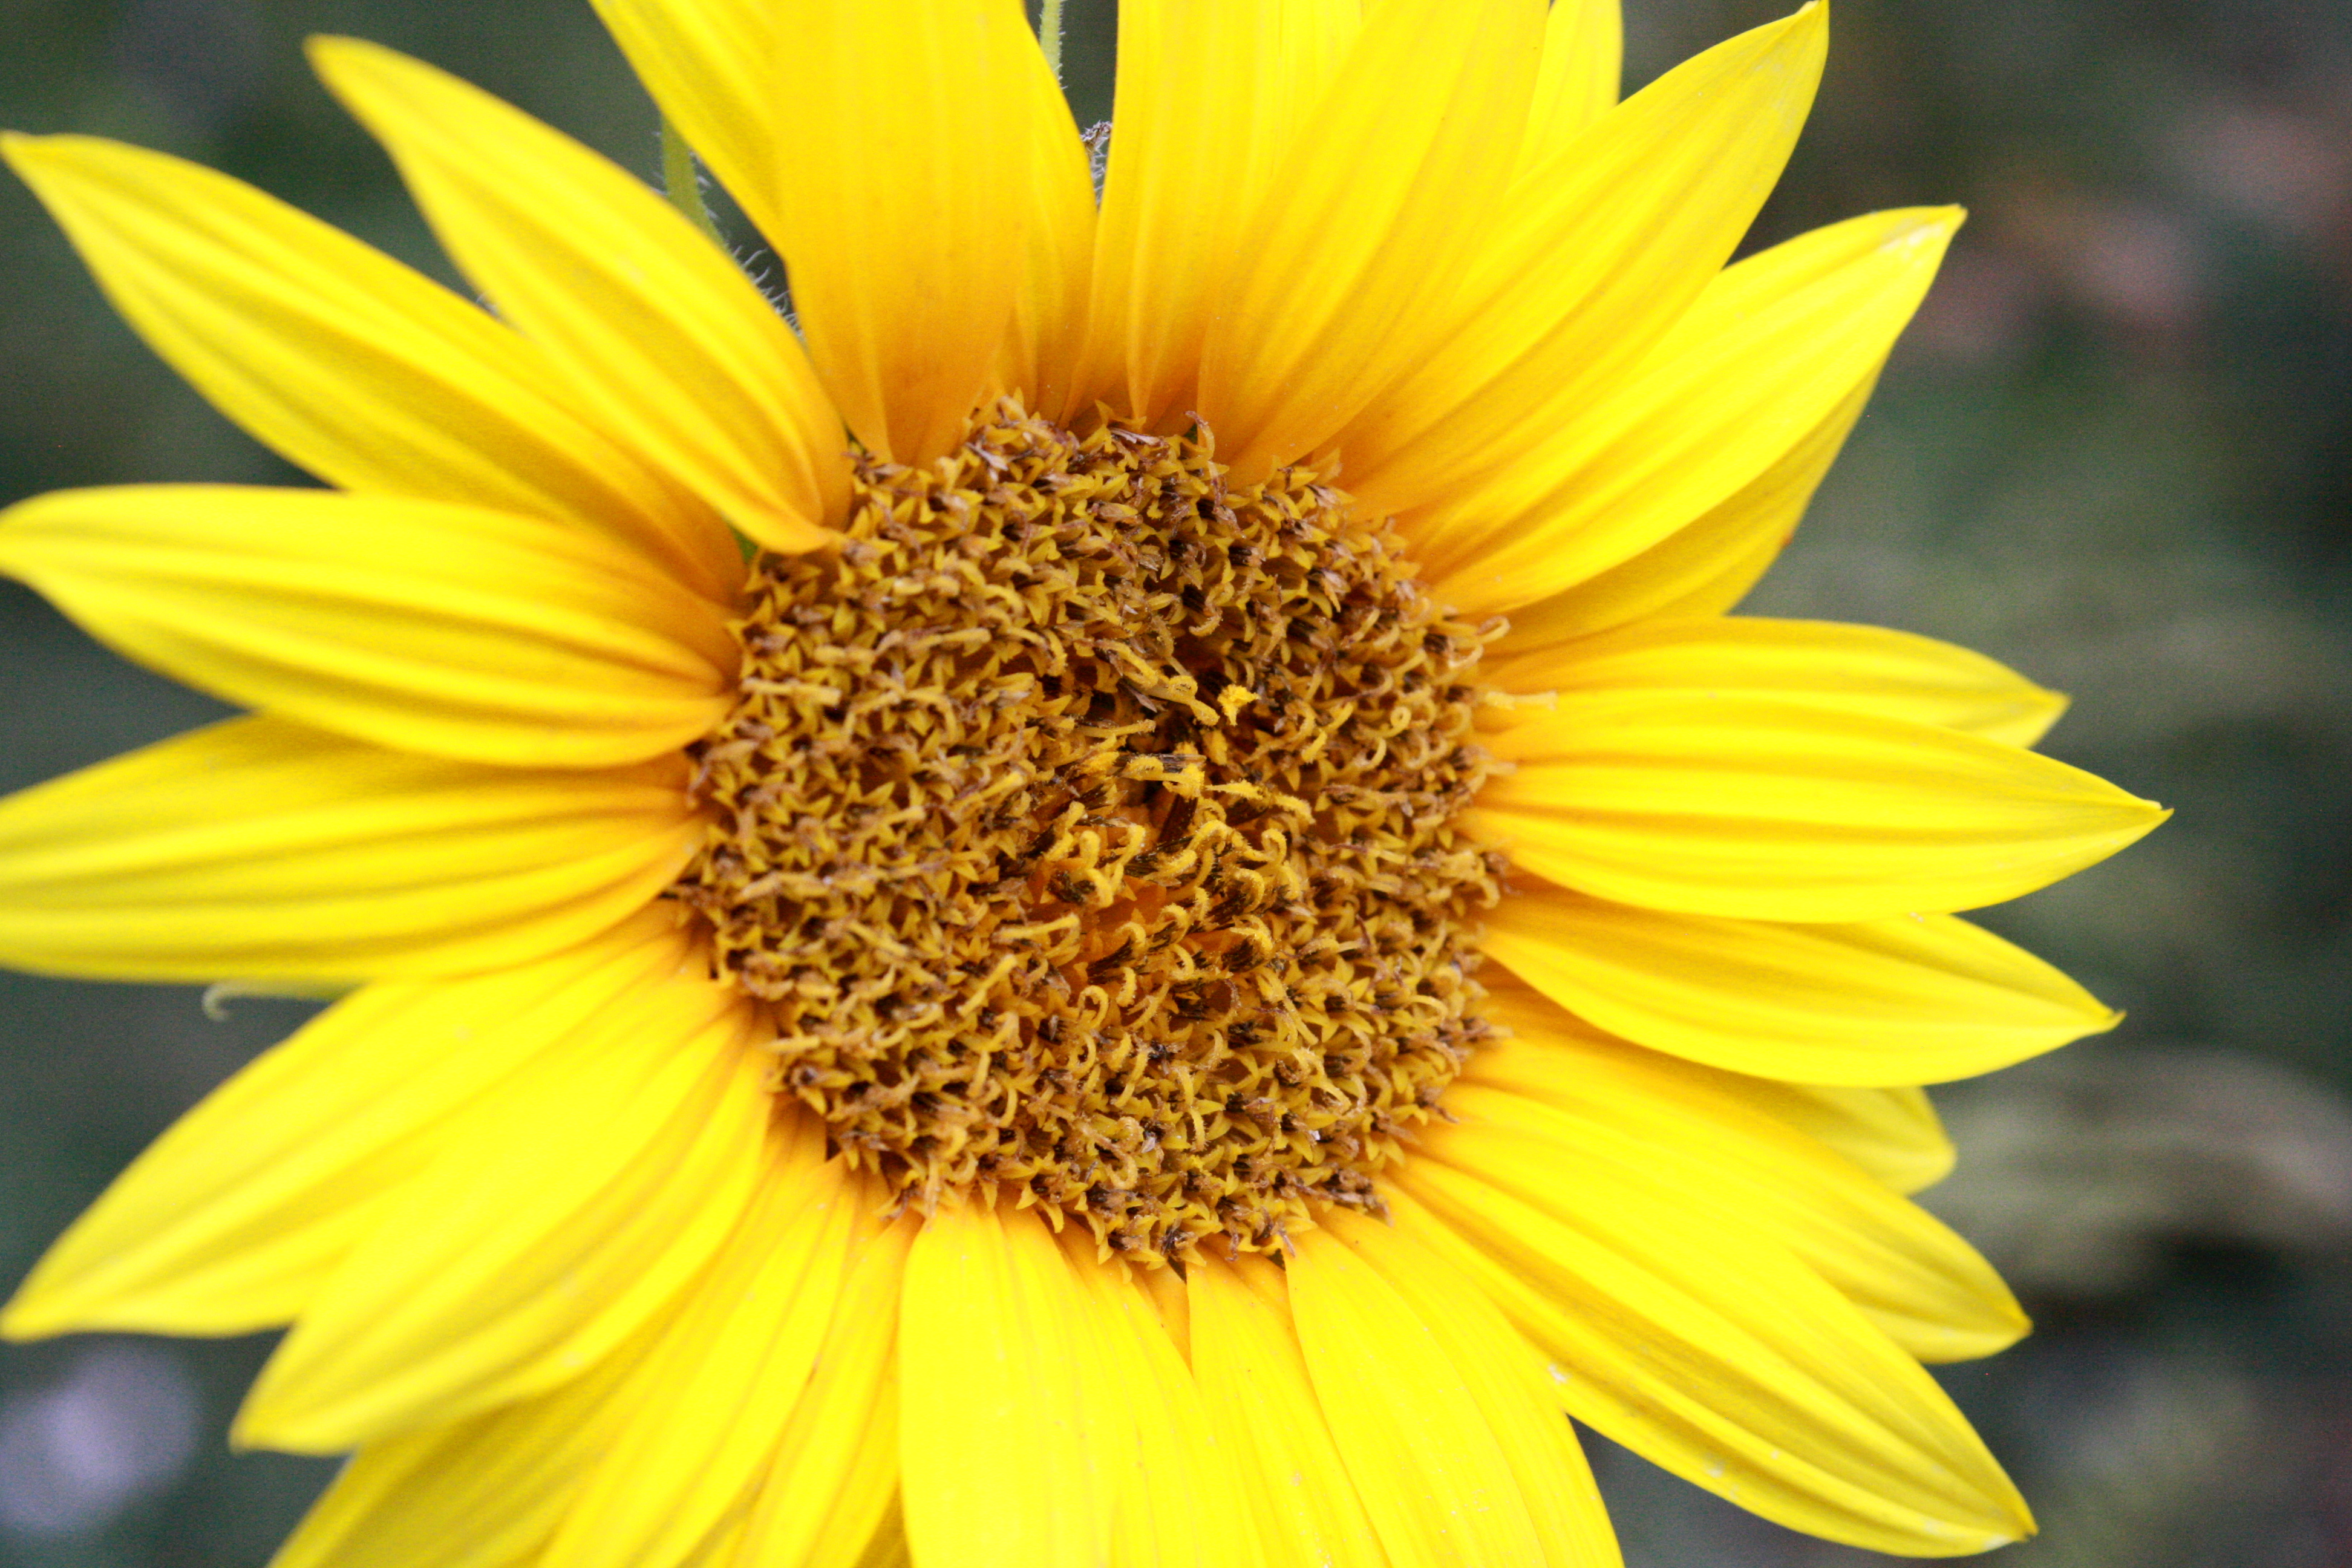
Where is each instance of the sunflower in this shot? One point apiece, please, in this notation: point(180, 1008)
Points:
point(1117, 894)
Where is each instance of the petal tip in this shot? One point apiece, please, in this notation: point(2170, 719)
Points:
point(40, 160)
point(34, 1315)
point(340, 60)
point(54, 1299)
point(1941, 223)
point(783, 531)
point(269, 1421)
point(326, 47)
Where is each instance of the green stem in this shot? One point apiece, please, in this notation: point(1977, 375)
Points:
point(1049, 34)
point(683, 182)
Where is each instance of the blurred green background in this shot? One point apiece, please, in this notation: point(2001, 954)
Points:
point(2115, 450)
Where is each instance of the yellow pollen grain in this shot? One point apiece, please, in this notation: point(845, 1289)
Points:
point(1087, 828)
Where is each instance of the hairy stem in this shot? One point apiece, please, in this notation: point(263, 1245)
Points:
point(682, 182)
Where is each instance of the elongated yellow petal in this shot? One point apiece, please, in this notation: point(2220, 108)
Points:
point(491, 1489)
point(1437, 1484)
point(1771, 348)
point(1252, 1374)
point(991, 1333)
point(484, 1492)
point(1707, 566)
point(1578, 78)
point(1160, 1454)
point(1569, 1110)
point(673, 348)
point(830, 1496)
point(1891, 1132)
point(1894, 1133)
point(1600, 248)
point(1856, 669)
point(710, 67)
point(266, 850)
point(238, 1214)
point(1764, 809)
point(1040, 358)
point(1210, 95)
point(1312, 40)
point(499, 1487)
point(369, 374)
point(1909, 1001)
point(1713, 1353)
point(706, 63)
point(740, 1349)
point(1360, 232)
point(537, 1245)
point(1505, 1376)
point(477, 636)
point(904, 142)
point(723, 1545)
point(887, 1549)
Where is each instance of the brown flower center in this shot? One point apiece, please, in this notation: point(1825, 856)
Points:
point(1087, 826)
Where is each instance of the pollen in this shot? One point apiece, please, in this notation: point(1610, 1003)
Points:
point(1086, 826)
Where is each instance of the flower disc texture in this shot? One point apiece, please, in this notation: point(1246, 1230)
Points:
point(1121, 895)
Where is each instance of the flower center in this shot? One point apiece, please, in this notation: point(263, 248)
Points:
point(1087, 826)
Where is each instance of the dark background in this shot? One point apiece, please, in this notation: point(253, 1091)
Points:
point(2116, 451)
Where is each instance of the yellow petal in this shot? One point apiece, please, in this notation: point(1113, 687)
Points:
point(721, 1547)
point(887, 1549)
point(1507, 1377)
point(1210, 95)
point(538, 1243)
point(706, 64)
point(1917, 1000)
point(484, 1492)
point(1170, 1298)
point(1894, 1133)
point(1438, 1484)
point(240, 1212)
point(1705, 566)
point(1246, 1354)
point(741, 1346)
point(1568, 1111)
point(478, 636)
point(1856, 669)
point(991, 1333)
point(528, 1253)
point(351, 365)
point(669, 344)
point(490, 1490)
point(1771, 348)
point(1713, 1353)
point(264, 850)
point(1040, 355)
point(1359, 233)
point(1763, 809)
point(499, 1489)
point(1891, 1132)
point(1578, 80)
point(904, 133)
point(830, 1499)
point(1157, 1453)
point(1598, 251)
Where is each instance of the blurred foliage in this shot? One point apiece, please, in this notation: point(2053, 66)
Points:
point(2116, 451)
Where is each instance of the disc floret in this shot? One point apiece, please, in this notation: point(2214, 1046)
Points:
point(1086, 826)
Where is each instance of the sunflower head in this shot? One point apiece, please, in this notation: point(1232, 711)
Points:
point(1120, 893)
point(1087, 825)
